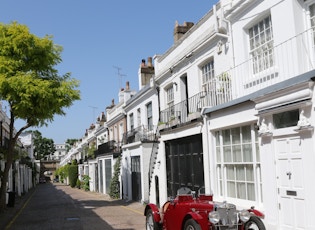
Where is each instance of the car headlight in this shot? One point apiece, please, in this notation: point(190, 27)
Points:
point(214, 217)
point(244, 215)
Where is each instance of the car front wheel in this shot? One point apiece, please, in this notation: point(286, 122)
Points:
point(150, 224)
point(254, 223)
point(191, 224)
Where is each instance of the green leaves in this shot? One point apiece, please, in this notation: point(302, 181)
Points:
point(28, 78)
point(22, 51)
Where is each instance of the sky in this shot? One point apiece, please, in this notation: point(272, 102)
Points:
point(103, 44)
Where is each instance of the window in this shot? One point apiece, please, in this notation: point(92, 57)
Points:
point(286, 119)
point(135, 164)
point(207, 76)
point(132, 126)
point(238, 166)
point(261, 45)
point(170, 103)
point(150, 116)
point(139, 117)
point(170, 96)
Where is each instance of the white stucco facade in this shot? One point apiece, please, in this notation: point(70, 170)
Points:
point(234, 96)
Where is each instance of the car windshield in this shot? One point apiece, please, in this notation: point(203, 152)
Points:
point(184, 191)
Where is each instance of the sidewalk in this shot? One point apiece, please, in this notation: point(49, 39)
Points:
point(10, 212)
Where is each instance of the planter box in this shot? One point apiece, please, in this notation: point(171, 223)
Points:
point(162, 126)
point(194, 116)
point(174, 122)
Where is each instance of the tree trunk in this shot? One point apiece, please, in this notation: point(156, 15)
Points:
point(4, 180)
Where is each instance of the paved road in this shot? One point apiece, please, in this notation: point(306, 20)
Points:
point(57, 206)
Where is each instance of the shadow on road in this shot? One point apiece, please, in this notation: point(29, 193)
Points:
point(58, 206)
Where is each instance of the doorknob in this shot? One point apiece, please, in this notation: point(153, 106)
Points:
point(289, 174)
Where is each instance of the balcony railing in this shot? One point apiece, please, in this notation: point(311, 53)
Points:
point(142, 133)
point(108, 147)
point(282, 61)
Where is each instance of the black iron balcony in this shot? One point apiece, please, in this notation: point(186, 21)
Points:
point(218, 92)
point(108, 147)
point(142, 133)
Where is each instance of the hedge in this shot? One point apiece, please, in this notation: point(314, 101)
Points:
point(73, 175)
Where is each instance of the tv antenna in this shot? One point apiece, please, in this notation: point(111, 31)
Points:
point(93, 112)
point(120, 75)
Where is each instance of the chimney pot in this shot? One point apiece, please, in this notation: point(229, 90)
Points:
point(143, 62)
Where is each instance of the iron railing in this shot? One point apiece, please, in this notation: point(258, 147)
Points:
point(108, 147)
point(142, 133)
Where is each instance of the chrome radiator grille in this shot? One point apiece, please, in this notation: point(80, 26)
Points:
point(228, 215)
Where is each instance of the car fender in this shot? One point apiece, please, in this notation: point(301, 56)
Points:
point(197, 217)
point(255, 212)
point(155, 211)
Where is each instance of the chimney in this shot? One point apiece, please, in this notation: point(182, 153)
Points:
point(127, 86)
point(180, 30)
point(150, 62)
point(146, 72)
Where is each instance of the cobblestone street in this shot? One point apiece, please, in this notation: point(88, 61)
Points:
point(57, 206)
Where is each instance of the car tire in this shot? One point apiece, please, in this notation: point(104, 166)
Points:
point(150, 224)
point(254, 223)
point(191, 224)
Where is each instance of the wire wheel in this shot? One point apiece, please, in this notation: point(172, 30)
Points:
point(150, 224)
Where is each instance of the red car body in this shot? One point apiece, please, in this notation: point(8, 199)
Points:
point(189, 212)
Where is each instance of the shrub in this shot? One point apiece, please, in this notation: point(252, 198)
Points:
point(86, 182)
point(73, 175)
point(78, 185)
point(114, 189)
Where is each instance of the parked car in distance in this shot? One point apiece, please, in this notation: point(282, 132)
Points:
point(42, 180)
point(189, 211)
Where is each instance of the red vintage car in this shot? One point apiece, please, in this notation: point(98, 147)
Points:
point(189, 211)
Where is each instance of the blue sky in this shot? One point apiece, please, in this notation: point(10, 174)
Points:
point(97, 36)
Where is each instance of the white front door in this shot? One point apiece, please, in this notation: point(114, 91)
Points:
point(290, 179)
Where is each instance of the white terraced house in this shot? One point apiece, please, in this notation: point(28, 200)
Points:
point(236, 99)
point(228, 107)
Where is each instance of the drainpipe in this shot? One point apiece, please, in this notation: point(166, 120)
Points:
point(210, 187)
point(158, 94)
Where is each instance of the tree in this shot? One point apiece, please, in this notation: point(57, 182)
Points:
point(31, 85)
point(43, 146)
